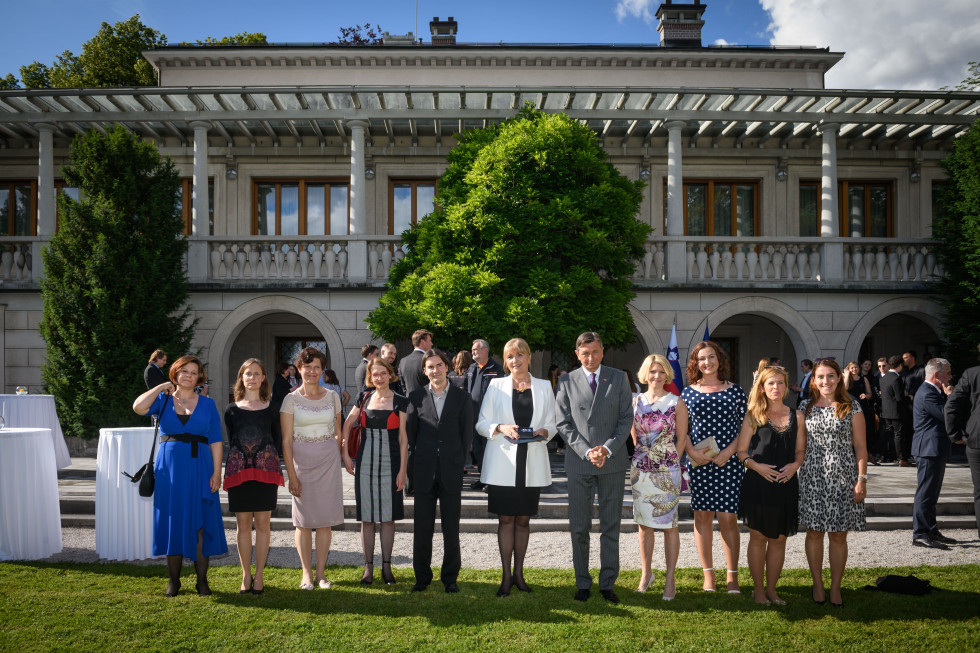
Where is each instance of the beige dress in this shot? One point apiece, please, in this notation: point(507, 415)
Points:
point(316, 460)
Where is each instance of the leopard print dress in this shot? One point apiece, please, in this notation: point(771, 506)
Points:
point(829, 473)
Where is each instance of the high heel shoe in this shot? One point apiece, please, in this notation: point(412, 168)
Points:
point(251, 584)
point(173, 588)
point(645, 586)
point(729, 583)
point(257, 592)
point(203, 589)
point(504, 590)
point(386, 575)
point(824, 602)
point(368, 577)
point(521, 585)
point(712, 570)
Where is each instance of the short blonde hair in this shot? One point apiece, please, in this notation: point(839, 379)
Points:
point(379, 362)
point(650, 361)
point(518, 344)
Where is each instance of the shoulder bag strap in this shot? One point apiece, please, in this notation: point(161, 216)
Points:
point(156, 428)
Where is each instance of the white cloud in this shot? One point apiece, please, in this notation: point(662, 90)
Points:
point(898, 44)
point(636, 9)
point(721, 42)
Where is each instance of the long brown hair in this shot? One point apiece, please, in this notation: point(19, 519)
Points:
point(265, 391)
point(841, 396)
point(694, 374)
point(758, 401)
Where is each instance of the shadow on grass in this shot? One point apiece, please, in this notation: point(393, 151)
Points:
point(550, 603)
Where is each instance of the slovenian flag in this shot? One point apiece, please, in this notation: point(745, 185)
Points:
point(674, 386)
point(707, 336)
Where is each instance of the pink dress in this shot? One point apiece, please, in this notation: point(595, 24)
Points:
point(316, 460)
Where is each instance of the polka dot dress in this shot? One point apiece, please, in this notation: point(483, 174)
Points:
point(717, 414)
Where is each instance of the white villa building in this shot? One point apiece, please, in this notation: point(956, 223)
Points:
point(792, 219)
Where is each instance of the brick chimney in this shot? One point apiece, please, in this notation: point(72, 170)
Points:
point(443, 31)
point(680, 24)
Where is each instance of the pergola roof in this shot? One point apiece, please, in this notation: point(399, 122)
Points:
point(767, 117)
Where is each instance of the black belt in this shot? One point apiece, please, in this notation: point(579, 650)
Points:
point(188, 438)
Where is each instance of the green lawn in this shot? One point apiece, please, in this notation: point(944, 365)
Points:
point(113, 607)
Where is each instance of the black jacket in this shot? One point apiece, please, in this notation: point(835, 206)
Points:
point(893, 399)
point(439, 444)
point(963, 409)
point(153, 376)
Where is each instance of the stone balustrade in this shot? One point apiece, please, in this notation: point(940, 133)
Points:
point(284, 258)
point(16, 258)
point(788, 261)
point(762, 261)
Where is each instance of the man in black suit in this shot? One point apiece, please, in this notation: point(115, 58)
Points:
point(411, 375)
point(478, 377)
point(153, 375)
point(368, 352)
point(913, 374)
point(893, 408)
point(931, 448)
point(963, 426)
point(389, 352)
point(439, 425)
point(410, 369)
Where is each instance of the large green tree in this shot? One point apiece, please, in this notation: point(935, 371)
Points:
point(957, 229)
point(534, 235)
point(113, 57)
point(114, 287)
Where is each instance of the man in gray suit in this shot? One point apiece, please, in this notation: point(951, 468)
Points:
point(594, 418)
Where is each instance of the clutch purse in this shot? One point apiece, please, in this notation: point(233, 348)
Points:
point(709, 447)
point(526, 436)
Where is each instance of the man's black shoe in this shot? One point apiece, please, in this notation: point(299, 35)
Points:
point(476, 485)
point(929, 544)
point(419, 587)
point(942, 539)
point(610, 596)
point(582, 595)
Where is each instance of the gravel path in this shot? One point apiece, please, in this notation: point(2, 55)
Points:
point(553, 550)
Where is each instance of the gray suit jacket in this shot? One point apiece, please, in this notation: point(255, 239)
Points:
point(586, 420)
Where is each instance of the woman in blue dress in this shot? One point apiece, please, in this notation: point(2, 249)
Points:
point(713, 407)
point(186, 510)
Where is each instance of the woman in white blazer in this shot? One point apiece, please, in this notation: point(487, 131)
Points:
point(514, 471)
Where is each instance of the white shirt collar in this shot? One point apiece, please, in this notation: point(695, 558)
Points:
point(587, 372)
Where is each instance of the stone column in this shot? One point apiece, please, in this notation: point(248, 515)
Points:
point(357, 256)
point(674, 223)
point(832, 258)
point(46, 215)
point(197, 250)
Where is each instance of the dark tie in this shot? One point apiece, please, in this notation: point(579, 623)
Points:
point(592, 383)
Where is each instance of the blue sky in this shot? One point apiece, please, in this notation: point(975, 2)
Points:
point(895, 47)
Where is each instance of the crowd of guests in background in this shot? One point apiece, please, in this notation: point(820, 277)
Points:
point(776, 461)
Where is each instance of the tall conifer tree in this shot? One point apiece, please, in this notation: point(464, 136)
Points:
point(114, 286)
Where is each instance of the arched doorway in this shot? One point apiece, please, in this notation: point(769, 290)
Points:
point(252, 329)
point(895, 326)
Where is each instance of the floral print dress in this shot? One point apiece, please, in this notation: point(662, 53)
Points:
point(655, 471)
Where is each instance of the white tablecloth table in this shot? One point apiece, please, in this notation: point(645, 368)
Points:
point(123, 519)
point(36, 411)
point(30, 513)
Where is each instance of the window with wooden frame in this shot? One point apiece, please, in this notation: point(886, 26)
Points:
point(865, 208)
point(714, 207)
point(300, 207)
point(408, 201)
point(185, 201)
point(18, 207)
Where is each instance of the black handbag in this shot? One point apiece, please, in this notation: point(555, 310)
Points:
point(145, 475)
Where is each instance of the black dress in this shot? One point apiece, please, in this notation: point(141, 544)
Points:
point(252, 471)
point(518, 500)
point(771, 508)
point(867, 407)
point(378, 461)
